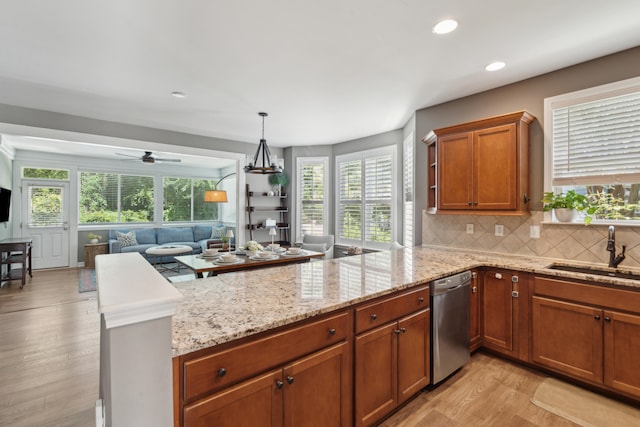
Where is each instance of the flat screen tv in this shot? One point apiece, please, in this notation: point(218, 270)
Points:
point(5, 203)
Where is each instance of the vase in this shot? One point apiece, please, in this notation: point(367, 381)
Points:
point(94, 241)
point(564, 214)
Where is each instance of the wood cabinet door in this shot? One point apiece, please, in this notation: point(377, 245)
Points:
point(317, 389)
point(454, 171)
point(474, 314)
point(621, 352)
point(567, 337)
point(256, 402)
point(414, 356)
point(376, 374)
point(495, 168)
point(497, 312)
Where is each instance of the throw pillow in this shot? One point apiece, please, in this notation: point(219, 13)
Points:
point(126, 239)
point(316, 247)
point(218, 232)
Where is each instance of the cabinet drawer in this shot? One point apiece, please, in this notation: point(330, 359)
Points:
point(221, 369)
point(587, 293)
point(380, 312)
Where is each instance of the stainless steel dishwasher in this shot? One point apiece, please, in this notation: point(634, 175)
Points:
point(449, 325)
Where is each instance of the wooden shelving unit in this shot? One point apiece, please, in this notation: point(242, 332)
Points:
point(256, 221)
point(432, 160)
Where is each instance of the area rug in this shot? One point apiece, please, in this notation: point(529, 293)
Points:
point(86, 280)
point(582, 406)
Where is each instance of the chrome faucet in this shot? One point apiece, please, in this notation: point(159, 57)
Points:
point(611, 247)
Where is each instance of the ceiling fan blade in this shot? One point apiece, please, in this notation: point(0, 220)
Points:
point(129, 155)
point(168, 160)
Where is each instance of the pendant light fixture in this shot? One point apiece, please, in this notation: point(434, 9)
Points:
point(262, 162)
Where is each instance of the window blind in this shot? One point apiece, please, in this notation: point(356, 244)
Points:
point(365, 211)
point(312, 184)
point(114, 198)
point(597, 142)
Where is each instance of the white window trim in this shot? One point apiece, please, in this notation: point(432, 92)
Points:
point(581, 96)
point(407, 144)
point(362, 155)
point(300, 162)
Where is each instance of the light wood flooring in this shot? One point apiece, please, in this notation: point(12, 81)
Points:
point(49, 361)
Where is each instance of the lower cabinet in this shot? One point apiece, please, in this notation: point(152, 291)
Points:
point(312, 391)
point(567, 337)
point(579, 330)
point(392, 364)
point(498, 317)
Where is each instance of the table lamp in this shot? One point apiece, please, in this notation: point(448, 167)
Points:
point(230, 236)
point(272, 233)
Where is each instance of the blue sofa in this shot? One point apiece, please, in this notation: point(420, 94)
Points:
point(197, 237)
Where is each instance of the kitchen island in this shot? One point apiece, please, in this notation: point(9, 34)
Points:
point(247, 333)
point(220, 309)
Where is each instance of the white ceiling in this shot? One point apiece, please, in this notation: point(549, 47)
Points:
point(325, 71)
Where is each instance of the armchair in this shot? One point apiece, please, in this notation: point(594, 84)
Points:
point(319, 244)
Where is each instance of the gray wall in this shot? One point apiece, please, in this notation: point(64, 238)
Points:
point(291, 154)
point(525, 95)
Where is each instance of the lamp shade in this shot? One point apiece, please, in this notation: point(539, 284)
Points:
point(272, 232)
point(219, 196)
point(229, 233)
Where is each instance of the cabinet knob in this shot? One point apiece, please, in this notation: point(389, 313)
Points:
point(290, 379)
point(475, 203)
point(403, 330)
point(469, 203)
point(279, 384)
point(397, 332)
point(474, 289)
point(222, 372)
point(607, 319)
point(498, 276)
point(421, 299)
point(332, 331)
point(374, 316)
point(597, 317)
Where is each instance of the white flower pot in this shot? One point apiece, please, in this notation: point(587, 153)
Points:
point(565, 214)
point(94, 241)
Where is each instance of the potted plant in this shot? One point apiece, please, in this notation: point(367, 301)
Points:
point(94, 238)
point(565, 206)
point(279, 181)
point(225, 242)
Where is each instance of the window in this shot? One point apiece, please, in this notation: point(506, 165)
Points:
point(41, 173)
point(312, 203)
point(407, 190)
point(592, 146)
point(115, 198)
point(365, 212)
point(184, 200)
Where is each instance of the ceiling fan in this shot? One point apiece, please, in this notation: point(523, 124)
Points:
point(149, 157)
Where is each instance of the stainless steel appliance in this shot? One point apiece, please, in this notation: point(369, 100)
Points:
point(449, 325)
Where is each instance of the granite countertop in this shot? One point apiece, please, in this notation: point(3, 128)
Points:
point(223, 308)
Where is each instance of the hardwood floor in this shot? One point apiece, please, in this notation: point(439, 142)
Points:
point(49, 361)
point(49, 352)
point(487, 391)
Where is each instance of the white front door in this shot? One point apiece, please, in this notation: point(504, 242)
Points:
point(45, 219)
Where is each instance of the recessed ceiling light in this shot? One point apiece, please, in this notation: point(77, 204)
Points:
point(445, 26)
point(495, 66)
point(178, 94)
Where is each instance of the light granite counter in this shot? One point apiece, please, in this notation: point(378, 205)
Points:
point(219, 309)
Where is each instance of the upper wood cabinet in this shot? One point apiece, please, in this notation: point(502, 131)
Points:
point(480, 167)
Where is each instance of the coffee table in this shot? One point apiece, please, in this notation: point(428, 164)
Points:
point(200, 265)
point(167, 250)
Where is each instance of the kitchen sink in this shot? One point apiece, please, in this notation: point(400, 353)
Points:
point(604, 271)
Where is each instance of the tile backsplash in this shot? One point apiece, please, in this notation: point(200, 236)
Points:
point(571, 242)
